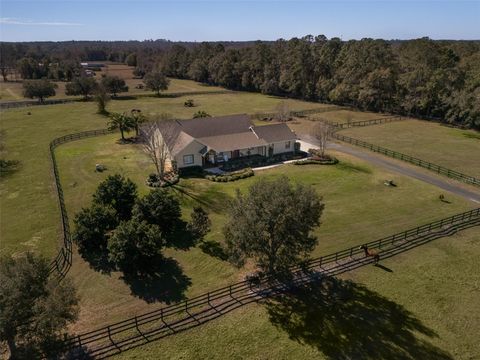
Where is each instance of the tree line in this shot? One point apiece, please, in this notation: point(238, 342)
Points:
point(422, 77)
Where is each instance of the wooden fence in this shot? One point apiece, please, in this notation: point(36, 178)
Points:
point(63, 261)
point(164, 321)
point(413, 160)
point(25, 103)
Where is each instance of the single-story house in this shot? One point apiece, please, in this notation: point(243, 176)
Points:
point(211, 141)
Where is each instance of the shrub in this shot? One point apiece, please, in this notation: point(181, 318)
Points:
point(191, 171)
point(231, 176)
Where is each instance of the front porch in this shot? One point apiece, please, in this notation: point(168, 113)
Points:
point(213, 158)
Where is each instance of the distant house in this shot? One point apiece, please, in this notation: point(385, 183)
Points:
point(214, 140)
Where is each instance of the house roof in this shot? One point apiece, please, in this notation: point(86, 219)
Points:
point(275, 132)
point(215, 126)
point(231, 142)
point(223, 133)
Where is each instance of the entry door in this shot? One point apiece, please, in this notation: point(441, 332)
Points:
point(235, 154)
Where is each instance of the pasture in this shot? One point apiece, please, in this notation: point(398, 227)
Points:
point(378, 211)
point(409, 304)
point(453, 148)
point(32, 220)
point(425, 306)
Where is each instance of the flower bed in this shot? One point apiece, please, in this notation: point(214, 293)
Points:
point(169, 179)
point(231, 176)
point(317, 159)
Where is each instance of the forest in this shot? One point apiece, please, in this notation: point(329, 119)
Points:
point(431, 79)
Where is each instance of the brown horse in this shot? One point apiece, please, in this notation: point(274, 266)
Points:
point(371, 253)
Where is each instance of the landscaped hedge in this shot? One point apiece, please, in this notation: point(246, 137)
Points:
point(231, 176)
point(317, 161)
point(258, 160)
point(168, 180)
point(196, 171)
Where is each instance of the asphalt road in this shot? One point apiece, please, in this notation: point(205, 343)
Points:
point(404, 169)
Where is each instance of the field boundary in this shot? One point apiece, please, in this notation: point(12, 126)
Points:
point(61, 264)
point(141, 329)
point(25, 103)
point(410, 159)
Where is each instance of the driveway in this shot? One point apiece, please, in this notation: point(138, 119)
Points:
point(398, 167)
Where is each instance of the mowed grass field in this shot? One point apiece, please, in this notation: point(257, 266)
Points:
point(358, 208)
point(30, 219)
point(453, 148)
point(13, 91)
point(376, 212)
point(425, 306)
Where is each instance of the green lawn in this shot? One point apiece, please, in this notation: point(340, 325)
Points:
point(427, 307)
point(13, 91)
point(453, 148)
point(377, 211)
point(29, 216)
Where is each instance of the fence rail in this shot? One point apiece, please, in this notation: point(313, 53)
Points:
point(103, 341)
point(377, 121)
point(413, 160)
point(298, 113)
point(63, 261)
point(25, 103)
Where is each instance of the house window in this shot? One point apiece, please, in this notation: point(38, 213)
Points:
point(187, 159)
point(287, 145)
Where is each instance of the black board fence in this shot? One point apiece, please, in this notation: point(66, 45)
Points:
point(410, 159)
point(63, 261)
point(149, 326)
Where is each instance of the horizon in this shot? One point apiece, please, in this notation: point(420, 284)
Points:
point(236, 21)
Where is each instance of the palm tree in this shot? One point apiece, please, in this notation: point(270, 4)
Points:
point(137, 119)
point(123, 122)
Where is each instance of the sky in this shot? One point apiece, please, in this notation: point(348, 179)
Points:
point(201, 20)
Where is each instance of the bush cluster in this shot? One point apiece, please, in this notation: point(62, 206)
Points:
point(258, 160)
point(231, 176)
point(168, 180)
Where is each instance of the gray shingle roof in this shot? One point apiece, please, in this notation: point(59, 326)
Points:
point(275, 132)
point(223, 133)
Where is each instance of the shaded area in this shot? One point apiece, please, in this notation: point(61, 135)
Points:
point(213, 248)
point(211, 199)
point(165, 282)
point(345, 320)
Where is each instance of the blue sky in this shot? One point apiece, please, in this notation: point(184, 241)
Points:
point(235, 20)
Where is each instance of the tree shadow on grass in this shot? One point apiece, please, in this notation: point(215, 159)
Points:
point(345, 320)
point(165, 282)
point(212, 199)
point(214, 249)
point(98, 261)
point(180, 238)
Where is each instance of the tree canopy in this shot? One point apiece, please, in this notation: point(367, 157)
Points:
point(156, 81)
point(114, 85)
point(273, 224)
point(40, 89)
point(134, 245)
point(81, 85)
point(35, 309)
point(119, 193)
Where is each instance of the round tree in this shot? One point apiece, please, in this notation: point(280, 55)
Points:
point(156, 81)
point(35, 309)
point(161, 208)
point(273, 224)
point(40, 89)
point(119, 193)
point(82, 85)
point(114, 85)
point(135, 246)
point(92, 226)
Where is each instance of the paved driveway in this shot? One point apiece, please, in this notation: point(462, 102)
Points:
point(467, 192)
